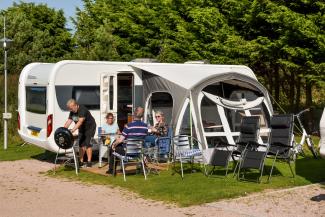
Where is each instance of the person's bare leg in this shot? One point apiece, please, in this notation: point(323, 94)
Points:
point(81, 154)
point(89, 153)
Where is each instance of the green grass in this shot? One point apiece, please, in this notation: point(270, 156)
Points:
point(194, 189)
point(17, 151)
point(198, 189)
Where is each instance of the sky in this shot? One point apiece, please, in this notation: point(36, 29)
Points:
point(68, 6)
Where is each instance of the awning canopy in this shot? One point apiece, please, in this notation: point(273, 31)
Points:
point(189, 75)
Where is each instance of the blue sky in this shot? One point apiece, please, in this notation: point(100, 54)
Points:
point(68, 6)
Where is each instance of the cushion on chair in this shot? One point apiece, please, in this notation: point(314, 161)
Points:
point(188, 153)
point(122, 157)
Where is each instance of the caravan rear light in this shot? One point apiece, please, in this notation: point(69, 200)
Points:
point(49, 125)
point(18, 121)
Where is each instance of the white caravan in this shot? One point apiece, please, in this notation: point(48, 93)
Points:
point(203, 100)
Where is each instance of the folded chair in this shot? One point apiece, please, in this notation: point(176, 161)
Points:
point(185, 149)
point(247, 139)
point(281, 140)
point(133, 154)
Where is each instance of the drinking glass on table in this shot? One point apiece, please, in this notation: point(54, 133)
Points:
point(108, 140)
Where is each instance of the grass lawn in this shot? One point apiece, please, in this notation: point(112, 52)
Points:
point(17, 151)
point(194, 189)
point(198, 189)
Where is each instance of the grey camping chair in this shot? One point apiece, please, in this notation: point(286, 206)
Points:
point(248, 137)
point(133, 154)
point(281, 140)
point(253, 158)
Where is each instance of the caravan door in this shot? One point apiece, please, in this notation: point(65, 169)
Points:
point(108, 95)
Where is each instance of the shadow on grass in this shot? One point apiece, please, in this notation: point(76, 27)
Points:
point(254, 175)
point(250, 175)
point(311, 169)
point(46, 156)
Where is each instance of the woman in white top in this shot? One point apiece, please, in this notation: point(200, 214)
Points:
point(110, 128)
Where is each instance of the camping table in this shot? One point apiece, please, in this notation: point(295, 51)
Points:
point(213, 128)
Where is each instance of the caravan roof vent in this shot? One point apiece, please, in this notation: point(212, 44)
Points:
point(145, 60)
point(198, 62)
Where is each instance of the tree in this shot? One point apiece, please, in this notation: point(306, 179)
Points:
point(39, 35)
point(169, 30)
point(289, 36)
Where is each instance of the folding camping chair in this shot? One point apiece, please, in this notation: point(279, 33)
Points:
point(185, 149)
point(160, 151)
point(248, 138)
point(253, 158)
point(281, 142)
point(163, 145)
point(133, 154)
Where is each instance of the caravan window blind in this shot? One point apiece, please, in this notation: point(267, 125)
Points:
point(85, 95)
point(36, 99)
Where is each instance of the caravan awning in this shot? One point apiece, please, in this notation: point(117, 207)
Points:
point(189, 75)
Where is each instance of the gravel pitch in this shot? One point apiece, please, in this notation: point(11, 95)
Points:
point(24, 191)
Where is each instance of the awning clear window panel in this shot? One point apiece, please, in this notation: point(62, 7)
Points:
point(210, 117)
point(160, 101)
point(187, 126)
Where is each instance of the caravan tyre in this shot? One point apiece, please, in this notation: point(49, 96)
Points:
point(63, 138)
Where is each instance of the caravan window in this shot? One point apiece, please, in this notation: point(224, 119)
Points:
point(85, 95)
point(36, 99)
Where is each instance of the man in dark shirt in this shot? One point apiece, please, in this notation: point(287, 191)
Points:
point(136, 129)
point(85, 123)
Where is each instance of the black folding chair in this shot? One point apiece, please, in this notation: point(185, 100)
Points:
point(253, 158)
point(247, 139)
point(281, 140)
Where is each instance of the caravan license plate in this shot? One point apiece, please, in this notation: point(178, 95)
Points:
point(35, 133)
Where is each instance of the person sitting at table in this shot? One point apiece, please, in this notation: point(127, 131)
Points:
point(110, 128)
point(159, 130)
point(136, 129)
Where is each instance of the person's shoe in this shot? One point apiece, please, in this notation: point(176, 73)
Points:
point(82, 165)
point(109, 173)
point(89, 164)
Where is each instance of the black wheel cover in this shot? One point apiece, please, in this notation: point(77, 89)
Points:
point(63, 138)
